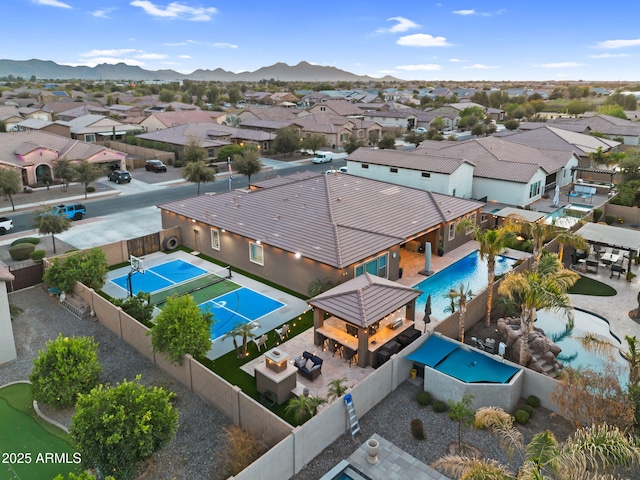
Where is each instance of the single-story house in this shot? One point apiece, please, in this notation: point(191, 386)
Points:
point(311, 227)
point(611, 127)
point(95, 128)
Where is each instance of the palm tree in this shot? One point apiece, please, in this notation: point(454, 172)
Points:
point(337, 388)
point(544, 288)
point(460, 297)
point(596, 344)
point(588, 454)
point(245, 331)
point(537, 231)
point(492, 243)
point(302, 407)
point(567, 237)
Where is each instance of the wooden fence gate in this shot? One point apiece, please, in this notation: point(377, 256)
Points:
point(26, 275)
point(138, 247)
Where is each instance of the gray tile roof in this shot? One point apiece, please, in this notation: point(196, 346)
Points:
point(364, 300)
point(602, 123)
point(207, 133)
point(333, 219)
point(412, 160)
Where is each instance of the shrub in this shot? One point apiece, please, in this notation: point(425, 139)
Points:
point(529, 409)
point(424, 398)
point(533, 401)
point(91, 189)
point(37, 255)
point(66, 368)
point(178, 164)
point(597, 213)
point(241, 449)
point(439, 406)
point(522, 417)
point(21, 251)
point(32, 240)
point(417, 429)
point(610, 218)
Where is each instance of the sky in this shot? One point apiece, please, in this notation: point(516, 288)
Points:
point(467, 40)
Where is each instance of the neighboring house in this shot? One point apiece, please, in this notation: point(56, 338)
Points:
point(80, 110)
point(402, 119)
point(125, 111)
point(168, 107)
point(11, 120)
point(424, 119)
point(52, 96)
point(210, 136)
point(57, 128)
point(334, 128)
point(342, 108)
point(494, 114)
point(415, 169)
point(34, 154)
point(97, 128)
point(258, 97)
point(277, 113)
point(35, 113)
point(300, 228)
point(611, 127)
point(279, 98)
point(161, 120)
point(264, 125)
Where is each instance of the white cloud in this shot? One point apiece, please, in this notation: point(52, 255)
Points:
point(422, 40)
point(457, 60)
point(152, 56)
point(176, 10)
point(102, 12)
point(610, 55)
point(52, 3)
point(108, 53)
point(561, 65)
point(432, 67)
point(465, 12)
point(224, 45)
point(480, 66)
point(612, 44)
point(471, 11)
point(403, 25)
point(186, 57)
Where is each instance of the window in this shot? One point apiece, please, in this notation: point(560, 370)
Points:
point(215, 239)
point(393, 170)
point(256, 254)
point(89, 138)
point(472, 220)
point(534, 189)
point(210, 153)
point(377, 266)
point(452, 230)
point(364, 165)
point(426, 175)
point(484, 218)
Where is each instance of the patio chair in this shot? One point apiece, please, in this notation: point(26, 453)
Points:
point(283, 331)
point(261, 341)
point(349, 355)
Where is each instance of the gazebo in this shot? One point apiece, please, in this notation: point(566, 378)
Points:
point(364, 315)
point(614, 237)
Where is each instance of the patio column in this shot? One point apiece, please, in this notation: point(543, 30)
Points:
point(363, 347)
point(318, 321)
point(410, 312)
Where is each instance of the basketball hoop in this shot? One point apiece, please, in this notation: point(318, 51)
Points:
point(137, 266)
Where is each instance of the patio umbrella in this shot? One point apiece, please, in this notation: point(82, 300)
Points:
point(427, 312)
point(556, 196)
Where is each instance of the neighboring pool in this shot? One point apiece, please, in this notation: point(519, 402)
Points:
point(568, 215)
point(573, 353)
point(470, 270)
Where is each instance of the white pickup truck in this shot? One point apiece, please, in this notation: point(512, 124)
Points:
point(326, 157)
point(6, 224)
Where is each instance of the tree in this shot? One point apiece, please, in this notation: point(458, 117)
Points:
point(287, 140)
point(511, 124)
point(138, 306)
point(65, 171)
point(460, 298)
point(213, 94)
point(461, 413)
point(228, 151)
point(303, 407)
point(388, 141)
point(87, 172)
point(66, 368)
point(166, 95)
point(10, 183)
point(438, 124)
point(87, 267)
point(492, 243)
point(244, 331)
point(337, 388)
point(181, 328)
point(248, 161)
point(567, 237)
point(313, 142)
point(538, 232)
point(353, 143)
point(48, 223)
point(233, 94)
point(543, 288)
point(116, 428)
point(193, 152)
point(198, 172)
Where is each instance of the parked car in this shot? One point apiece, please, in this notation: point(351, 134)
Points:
point(74, 212)
point(421, 130)
point(326, 157)
point(6, 224)
point(155, 166)
point(339, 170)
point(119, 176)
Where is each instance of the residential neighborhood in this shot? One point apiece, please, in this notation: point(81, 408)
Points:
point(423, 277)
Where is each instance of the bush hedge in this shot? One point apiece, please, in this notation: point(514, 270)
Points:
point(37, 255)
point(424, 398)
point(529, 409)
point(522, 417)
point(91, 189)
point(32, 240)
point(417, 429)
point(439, 406)
point(21, 251)
point(610, 218)
point(533, 401)
point(597, 213)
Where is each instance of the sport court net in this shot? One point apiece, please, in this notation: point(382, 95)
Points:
point(204, 284)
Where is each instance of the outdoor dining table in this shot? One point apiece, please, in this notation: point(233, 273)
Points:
point(609, 258)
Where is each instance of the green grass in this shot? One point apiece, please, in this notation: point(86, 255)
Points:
point(589, 286)
point(23, 431)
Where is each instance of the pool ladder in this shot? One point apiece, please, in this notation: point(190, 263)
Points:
point(352, 418)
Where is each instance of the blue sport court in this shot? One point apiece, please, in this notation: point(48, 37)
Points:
point(240, 306)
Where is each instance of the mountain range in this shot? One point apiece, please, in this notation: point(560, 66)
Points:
point(302, 72)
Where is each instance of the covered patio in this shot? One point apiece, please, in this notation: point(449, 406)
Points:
point(366, 319)
point(609, 244)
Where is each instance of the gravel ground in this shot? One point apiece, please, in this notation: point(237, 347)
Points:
point(192, 454)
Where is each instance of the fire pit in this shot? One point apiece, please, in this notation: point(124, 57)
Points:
point(276, 360)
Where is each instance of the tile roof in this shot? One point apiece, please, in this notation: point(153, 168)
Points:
point(364, 300)
point(207, 133)
point(181, 117)
point(412, 159)
point(602, 123)
point(333, 219)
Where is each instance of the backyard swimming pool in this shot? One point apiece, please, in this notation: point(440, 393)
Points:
point(470, 271)
point(568, 215)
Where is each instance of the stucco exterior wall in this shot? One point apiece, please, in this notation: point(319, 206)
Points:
point(511, 193)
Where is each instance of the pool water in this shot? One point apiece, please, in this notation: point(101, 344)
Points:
point(471, 271)
point(568, 215)
point(573, 353)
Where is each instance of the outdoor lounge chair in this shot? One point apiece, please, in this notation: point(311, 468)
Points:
point(261, 341)
point(283, 331)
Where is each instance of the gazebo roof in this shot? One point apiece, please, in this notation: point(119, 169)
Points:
point(364, 300)
point(528, 215)
point(623, 238)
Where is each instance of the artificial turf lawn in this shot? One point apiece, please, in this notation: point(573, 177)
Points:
point(589, 286)
point(23, 431)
